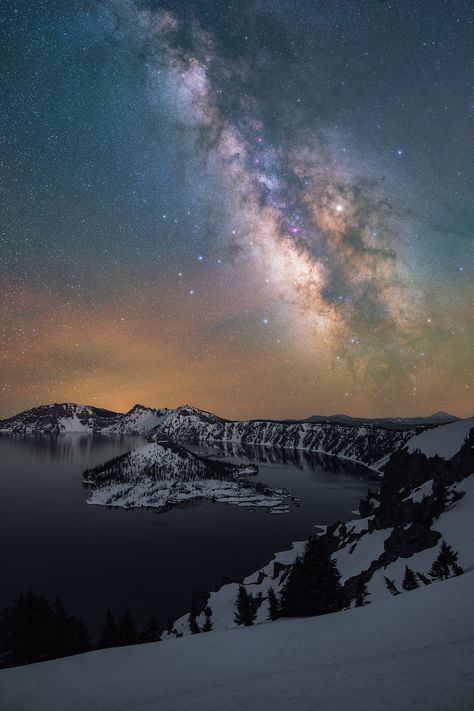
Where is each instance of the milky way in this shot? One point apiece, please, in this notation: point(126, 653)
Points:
point(289, 269)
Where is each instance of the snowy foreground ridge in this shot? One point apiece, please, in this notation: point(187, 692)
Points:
point(412, 651)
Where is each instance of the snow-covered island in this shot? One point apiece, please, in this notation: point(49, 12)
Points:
point(162, 474)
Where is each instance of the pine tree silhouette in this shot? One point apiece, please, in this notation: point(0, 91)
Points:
point(361, 593)
point(208, 623)
point(409, 580)
point(61, 628)
point(83, 643)
point(193, 625)
point(109, 636)
point(445, 564)
point(245, 608)
point(441, 498)
point(127, 632)
point(390, 584)
point(424, 579)
point(151, 631)
point(274, 611)
point(32, 630)
point(312, 586)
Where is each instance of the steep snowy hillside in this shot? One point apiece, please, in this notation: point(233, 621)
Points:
point(415, 650)
point(441, 441)
point(160, 475)
point(58, 419)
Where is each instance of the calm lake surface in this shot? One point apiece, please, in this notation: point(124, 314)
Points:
point(94, 557)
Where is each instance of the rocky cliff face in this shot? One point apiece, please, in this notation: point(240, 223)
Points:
point(366, 444)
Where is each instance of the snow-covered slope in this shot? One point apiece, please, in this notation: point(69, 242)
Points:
point(160, 475)
point(140, 420)
point(412, 651)
point(442, 441)
point(59, 418)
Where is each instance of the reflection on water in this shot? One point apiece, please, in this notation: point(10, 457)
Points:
point(94, 557)
point(69, 447)
point(299, 458)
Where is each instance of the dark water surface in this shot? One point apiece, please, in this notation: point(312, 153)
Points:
point(94, 557)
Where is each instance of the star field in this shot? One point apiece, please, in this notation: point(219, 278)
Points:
point(261, 208)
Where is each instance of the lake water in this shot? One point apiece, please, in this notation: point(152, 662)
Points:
point(94, 557)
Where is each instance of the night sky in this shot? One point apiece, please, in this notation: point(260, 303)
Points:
point(262, 208)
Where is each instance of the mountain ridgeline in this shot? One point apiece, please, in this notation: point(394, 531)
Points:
point(367, 441)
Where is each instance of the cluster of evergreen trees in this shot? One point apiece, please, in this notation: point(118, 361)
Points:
point(313, 585)
point(246, 607)
point(445, 566)
point(32, 629)
point(311, 588)
point(208, 623)
point(121, 631)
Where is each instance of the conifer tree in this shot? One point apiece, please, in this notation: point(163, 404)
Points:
point(409, 580)
point(61, 628)
point(361, 593)
point(152, 631)
point(312, 586)
point(441, 498)
point(83, 643)
point(193, 625)
point(445, 564)
point(390, 584)
point(424, 579)
point(208, 623)
point(245, 608)
point(109, 631)
point(33, 630)
point(274, 611)
point(127, 632)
